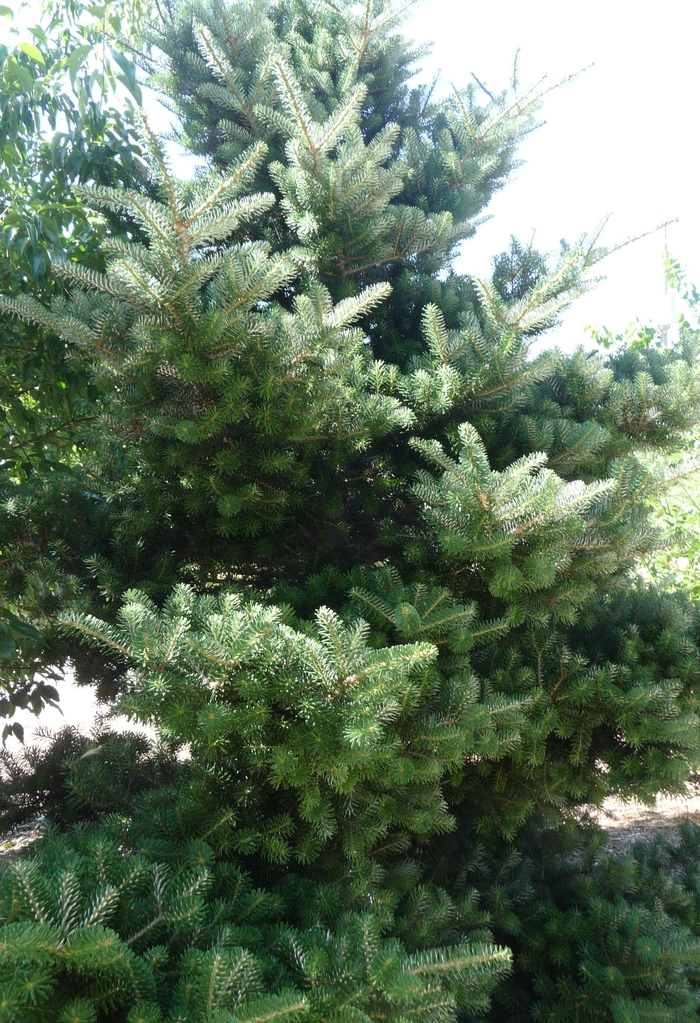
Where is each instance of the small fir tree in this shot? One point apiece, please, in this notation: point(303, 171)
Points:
point(365, 565)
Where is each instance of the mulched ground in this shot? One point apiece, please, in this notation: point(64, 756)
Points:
point(17, 843)
point(628, 823)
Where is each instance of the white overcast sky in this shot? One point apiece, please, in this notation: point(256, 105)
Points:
point(622, 139)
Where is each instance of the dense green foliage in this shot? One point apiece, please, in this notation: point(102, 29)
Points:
point(676, 563)
point(678, 513)
point(366, 567)
point(58, 128)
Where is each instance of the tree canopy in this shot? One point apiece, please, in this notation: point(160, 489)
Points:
point(296, 494)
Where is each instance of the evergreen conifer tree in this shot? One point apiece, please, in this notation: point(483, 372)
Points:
point(366, 566)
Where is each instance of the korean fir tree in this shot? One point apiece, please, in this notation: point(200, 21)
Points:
point(364, 563)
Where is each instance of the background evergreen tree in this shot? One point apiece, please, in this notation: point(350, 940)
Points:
point(365, 565)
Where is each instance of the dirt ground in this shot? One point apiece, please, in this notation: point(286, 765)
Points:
point(17, 843)
point(628, 823)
